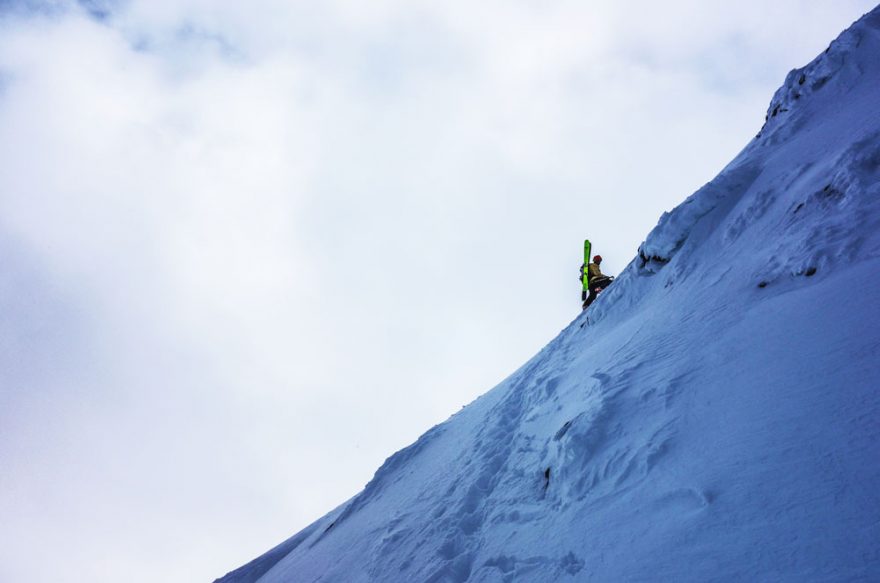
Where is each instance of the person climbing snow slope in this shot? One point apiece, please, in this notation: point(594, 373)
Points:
point(596, 280)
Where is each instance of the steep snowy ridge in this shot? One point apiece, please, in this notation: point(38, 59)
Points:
point(713, 416)
point(833, 96)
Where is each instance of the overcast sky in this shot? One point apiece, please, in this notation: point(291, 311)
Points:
point(250, 249)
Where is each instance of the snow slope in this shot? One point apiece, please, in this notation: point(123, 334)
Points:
point(715, 415)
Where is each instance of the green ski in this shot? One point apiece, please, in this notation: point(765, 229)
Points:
point(585, 272)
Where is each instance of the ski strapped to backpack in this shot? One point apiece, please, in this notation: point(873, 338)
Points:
point(585, 270)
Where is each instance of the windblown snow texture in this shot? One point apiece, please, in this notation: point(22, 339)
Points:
point(714, 415)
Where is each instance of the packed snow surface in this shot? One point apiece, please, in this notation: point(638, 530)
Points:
point(714, 415)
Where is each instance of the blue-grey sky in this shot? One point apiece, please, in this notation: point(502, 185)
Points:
point(250, 249)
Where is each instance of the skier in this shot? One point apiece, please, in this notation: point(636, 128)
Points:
point(595, 281)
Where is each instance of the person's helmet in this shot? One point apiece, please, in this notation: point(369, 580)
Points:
point(597, 259)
